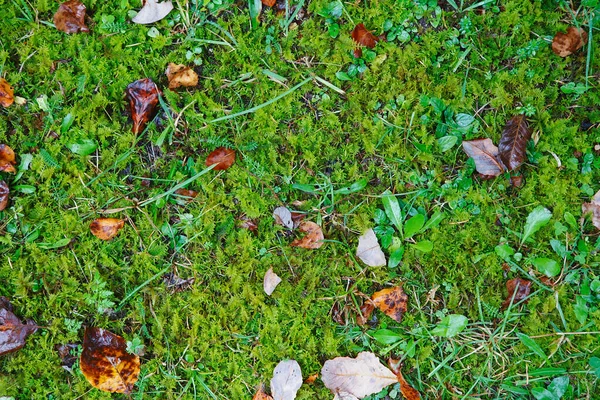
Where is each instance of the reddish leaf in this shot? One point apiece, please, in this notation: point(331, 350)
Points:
point(247, 223)
point(106, 228)
point(7, 96)
point(364, 37)
point(513, 143)
point(407, 391)
point(180, 75)
point(70, 17)
point(105, 362)
point(485, 154)
point(522, 288)
point(4, 192)
point(143, 98)
point(188, 194)
point(365, 313)
point(392, 301)
point(223, 157)
point(13, 332)
point(565, 44)
point(269, 3)
point(313, 238)
point(7, 159)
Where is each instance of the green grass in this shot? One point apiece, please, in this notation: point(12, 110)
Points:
point(224, 336)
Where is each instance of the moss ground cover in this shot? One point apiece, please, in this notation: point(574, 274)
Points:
point(447, 70)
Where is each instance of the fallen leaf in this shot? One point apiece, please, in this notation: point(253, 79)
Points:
point(513, 142)
point(106, 228)
point(287, 379)
point(176, 284)
point(70, 17)
point(261, 394)
point(297, 218)
point(522, 287)
point(344, 396)
point(365, 313)
point(313, 238)
point(180, 75)
point(565, 44)
point(105, 362)
point(271, 281)
point(7, 95)
point(407, 391)
point(485, 155)
point(359, 377)
point(143, 98)
point(369, 250)
point(4, 192)
point(392, 301)
point(269, 3)
point(65, 352)
point(364, 37)
point(222, 156)
point(283, 217)
point(13, 332)
point(592, 207)
point(311, 379)
point(152, 11)
point(247, 223)
point(189, 195)
point(7, 159)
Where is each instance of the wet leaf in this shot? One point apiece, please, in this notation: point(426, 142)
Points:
point(364, 37)
point(565, 44)
point(7, 159)
point(70, 17)
point(313, 238)
point(485, 155)
point(594, 208)
point(369, 250)
point(358, 377)
point(270, 281)
point(143, 98)
point(283, 217)
point(4, 192)
point(287, 380)
point(7, 96)
point(106, 228)
point(105, 362)
point(180, 75)
point(187, 194)
point(513, 142)
point(261, 394)
point(153, 11)
point(269, 3)
point(13, 332)
point(518, 287)
point(365, 313)
point(392, 301)
point(222, 156)
point(66, 354)
point(406, 389)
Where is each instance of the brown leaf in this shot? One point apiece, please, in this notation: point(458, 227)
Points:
point(261, 394)
point(392, 301)
point(269, 3)
point(407, 391)
point(593, 207)
point(283, 216)
point(485, 155)
point(4, 192)
point(65, 352)
point(364, 37)
point(143, 98)
point(7, 159)
point(247, 223)
point(313, 238)
point(106, 228)
point(189, 195)
point(513, 143)
point(365, 313)
point(152, 11)
point(70, 17)
point(222, 156)
point(311, 379)
point(524, 287)
point(105, 362)
point(180, 75)
point(565, 44)
point(13, 332)
point(7, 95)
point(339, 313)
point(176, 284)
point(270, 281)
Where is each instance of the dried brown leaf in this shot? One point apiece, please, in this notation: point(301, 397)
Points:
point(70, 17)
point(13, 332)
point(365, 313)
point(565, 44)
point(593, 207)
point(485, 155)
point(313, 238)
point(66, 354)
point(513, 143)
point(522, 287)
point(222, 157)
point(247, 223)
point(106, 228)
point(392, 301)
point(364, 37)
point(180, 75)
point(143, 98)
point(311, 379)
point(369, 250)
point(270, 281)
point(407, 391)
point(283, 216)
point(4, 192)
point(261, 394)
point(152, 11)
point(7, 159)
point(105, 362)
point(176, 284)
point(7, 95)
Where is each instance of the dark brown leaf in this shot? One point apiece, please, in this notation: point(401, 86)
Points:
point(106, 228)
point(364, 37)
point(7, 96)
point(565, 44)
point(365, 313)
point(392, 301)
point(188, 194)
point(66, 354)
point(485, 155)
point(513, 143)
point(7, 159)
point(4, 192)
point(180, 75)
point(177, 284)
point(522, 288)
point(313, 238)
point(105, 362)
point(247, 223)
point(143, 98)
point(222, 156)
point(70, 17)
point(13, 332)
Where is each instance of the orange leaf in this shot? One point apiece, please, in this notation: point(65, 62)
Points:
point(524, 287)
point(407, 391)
point(105, 362)
point(261, 395)
point(70, 17)
point(7, 96)
point(4, 192)
point(187, 193)
point(106, 228)
point(364, 37)
point(391, 301)
point(269, 3)
point(565, 44)
point(313, 238)
point(223, 157)
point(143, 98)
point(311, 379)
point(7, 159)
point(180, 75)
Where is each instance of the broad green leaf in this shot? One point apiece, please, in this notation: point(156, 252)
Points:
point(559, 386)
point(395, 257)
point(254, 8)
point(26, 159)
point(66, 123)
point(546, 266)
point(355, 187)
point(539, 217)
point(413, 225)
point(447, 142)
point(434, 221)
point(543, 394)
point(424, 245)
point(55, 245)
point(386, 336)
point(531, 345)
point(450, 325)
point(595, 365)
point(504, 251)
point(581, 309)
point(464, 120)
point(83, 147)
point(514, 389)
point(27, 189)
point(305, 188)
point(570, 219)
point(392, 209)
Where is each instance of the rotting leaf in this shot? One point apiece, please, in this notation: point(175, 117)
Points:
point(143, 98)
point(369, 250)
point(4, 192)
point(65, 352)
point(287, 380)
point(365, 312)
point(593, 207)
point(565, 44)
point(246, 223)
point(188, 194)
point(313, 238)
point(105, 362)
point(261, 394)
point(222, 157)
point(522, 287)
point(180, 75)
point(13, 332)
point(152, 11)
point(392, 301)
point(7, 95)
point(270, 281)
point(283, 217)
point(106, 228)
point(485, 155)
point(513, 142)
point(407, 391)
point(7, 159)
point(70, 17)
point(176, 284)
point(364, 37)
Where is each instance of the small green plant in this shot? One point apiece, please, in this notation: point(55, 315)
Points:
point(98, 296)
point(271, 41)
point(327, 192)
point(358, 66)
point(399, 32)
point(558, 388)
point(332, 13)
point(136, 346)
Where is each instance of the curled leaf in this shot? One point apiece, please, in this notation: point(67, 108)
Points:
point(222, 156)
point(407, 391)
point(392, 301)
point(313, 238)
point(287, 380)
point(152, 11)
point(364, 37)
point(105, 362)
point(513, 143)
point(13, 332)
point(143, 98)
point(484, 153)
point(283, 217)
point(70, 17)
point(518, 287)
point(593, 207)
point(565, 44)
point(4, 192)
point(180, 75)
point(7, 159)
point(7, 96)
point(270, 281)
point(106, 228)
point(369, 250)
